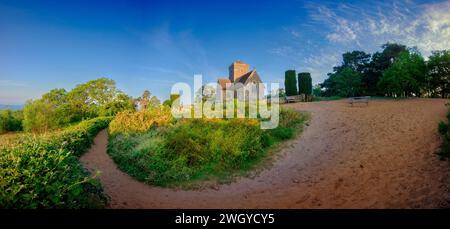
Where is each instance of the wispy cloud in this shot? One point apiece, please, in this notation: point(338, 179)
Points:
point(426, 26)
point(341, 27)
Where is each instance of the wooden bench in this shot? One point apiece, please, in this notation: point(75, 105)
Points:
point(294, 98)
point(361, 99)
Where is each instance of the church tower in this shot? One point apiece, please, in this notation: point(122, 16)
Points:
point(237, 69)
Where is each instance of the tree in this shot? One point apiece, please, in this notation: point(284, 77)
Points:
point(304, 83)
point(10, 120)
point(348, 82)
point(59, 108)
point(379, 63)
point(169, 102)
point(290, 83)
point(147, 101)
point(438, 76)
point(89, 97)
point(39, 116)
point(356, 60)
point(317, 90)
point(122, 102)
point(406, 76)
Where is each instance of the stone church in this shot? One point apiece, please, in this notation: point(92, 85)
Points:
point(239, 75)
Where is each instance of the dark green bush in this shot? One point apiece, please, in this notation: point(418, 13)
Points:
point(44, 171)
point(444, 130)
point(442, 127)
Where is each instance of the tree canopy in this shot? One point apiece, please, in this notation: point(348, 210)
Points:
point(58, 108)
point(395, 71)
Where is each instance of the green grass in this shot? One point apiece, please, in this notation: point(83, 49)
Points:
point(190, 152)
point(43, 171)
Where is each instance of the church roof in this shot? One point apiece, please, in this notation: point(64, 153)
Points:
point(245, 78)
point(223, 82)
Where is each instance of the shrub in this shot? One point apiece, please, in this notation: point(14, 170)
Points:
point(444, 130)
point(42, 171)
point(10, 120)
point(141, 121)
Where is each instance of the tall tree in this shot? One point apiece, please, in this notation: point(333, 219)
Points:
point(290, 83)
point(356, 60)
point(89, 97)
point(348, 82)
point(379, 63)
point(304, 83)
point(406, 76)
point(144, 99)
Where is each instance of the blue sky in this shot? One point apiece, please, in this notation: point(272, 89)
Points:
point(154, 44)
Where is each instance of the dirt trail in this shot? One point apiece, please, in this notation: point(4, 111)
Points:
point(380, 156)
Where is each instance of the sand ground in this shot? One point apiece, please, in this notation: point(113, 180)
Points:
point(376, 156)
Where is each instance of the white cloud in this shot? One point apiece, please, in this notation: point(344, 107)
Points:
point(426, 26)
point(335, 28)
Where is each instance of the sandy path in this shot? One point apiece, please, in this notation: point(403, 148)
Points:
point(380, 156)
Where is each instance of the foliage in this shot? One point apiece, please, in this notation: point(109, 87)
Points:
point(39, 116)
point(147, 101)
point(304, 83)
point(42, 171)
point(10, 120)
point(439, 74)
point(444, 130)
point(59, 108)
point(396, 71)
point(348, 82)
point(290, 83)
point(405, 77)
point(169, 102)
point(141, 121)
point(122, 102)
point(197, 149)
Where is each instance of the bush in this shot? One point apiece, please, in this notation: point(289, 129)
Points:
point(10, 120)
point(141, 121)
point(196, 149)
point(444, 130)
point(44, 172)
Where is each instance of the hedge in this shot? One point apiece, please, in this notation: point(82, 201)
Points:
point(444, 130)
point(43, 171)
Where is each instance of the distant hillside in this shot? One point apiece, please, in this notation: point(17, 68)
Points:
point(13, 107)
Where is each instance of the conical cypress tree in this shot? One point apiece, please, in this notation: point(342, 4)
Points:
point(304, 83)
point(290, 83)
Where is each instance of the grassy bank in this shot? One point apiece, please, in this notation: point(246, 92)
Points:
point(43, 171)
point(183, 152)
